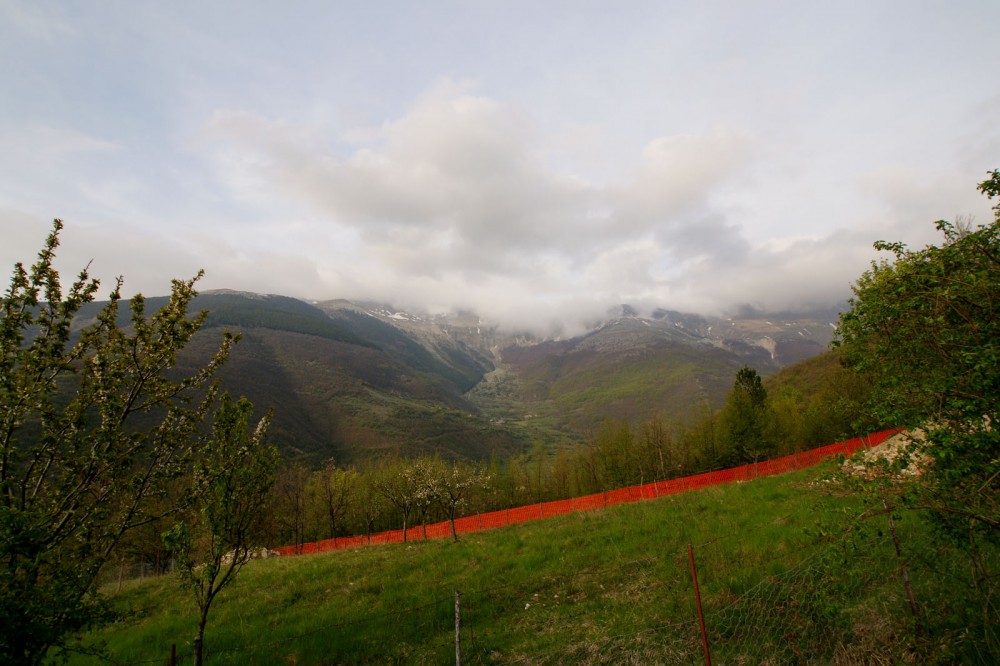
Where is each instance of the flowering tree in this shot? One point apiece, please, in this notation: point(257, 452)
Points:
point(77, 472)
point(232, 482)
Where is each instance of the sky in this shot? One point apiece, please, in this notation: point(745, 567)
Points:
point(536, 162)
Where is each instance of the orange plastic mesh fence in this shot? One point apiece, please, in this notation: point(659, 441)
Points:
point(538, 511)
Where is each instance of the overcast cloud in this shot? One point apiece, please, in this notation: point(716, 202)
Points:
point(535, 162)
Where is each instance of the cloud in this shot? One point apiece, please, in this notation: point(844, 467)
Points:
point(454, 178)
point(909, 201)
point(678, 173)
point(460, 201)
point(457, 196)
point(36, 22)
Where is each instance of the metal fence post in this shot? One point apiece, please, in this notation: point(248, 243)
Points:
point(458, 631)
point(697, 599)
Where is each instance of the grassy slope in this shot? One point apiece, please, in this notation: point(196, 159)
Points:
point(575, 390)
point(809, 377)
point(600, 587)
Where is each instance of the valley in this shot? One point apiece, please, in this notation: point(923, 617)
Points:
point(356, 380)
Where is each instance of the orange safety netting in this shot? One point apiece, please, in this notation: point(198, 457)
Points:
point(522, 514)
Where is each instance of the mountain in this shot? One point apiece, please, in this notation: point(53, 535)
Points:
point(353, 379)
point(346, 385)
point(633, 367)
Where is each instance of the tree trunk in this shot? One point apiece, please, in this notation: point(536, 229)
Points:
point(200, 638)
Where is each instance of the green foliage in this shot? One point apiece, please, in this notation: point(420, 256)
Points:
point(572, 390)
point(925, 330)
point(331, 491)
point(744, 419)
point(807, 405)
point(76, 473)
point(231, 484)
point(448, 485)
point(819, 400)
point(616, 455)
point(280, 312)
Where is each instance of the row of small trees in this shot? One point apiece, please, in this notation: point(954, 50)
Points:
point(396, 493)
point(333, 501)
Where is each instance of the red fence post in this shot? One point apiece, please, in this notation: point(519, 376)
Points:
point(697, 599)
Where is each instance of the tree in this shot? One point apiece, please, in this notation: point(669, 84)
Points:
point(664, 457)
point(333, 490)
point(291, 503)
point(232, 482)
point(744, 418)
point(398, 488)
point(418, 477)
point(76, 471)
point(700, 435)
point(448, 485)
point(371, 503)
point(616, 452)
point(924, 330)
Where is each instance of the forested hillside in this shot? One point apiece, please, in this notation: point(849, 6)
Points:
point(354, 381)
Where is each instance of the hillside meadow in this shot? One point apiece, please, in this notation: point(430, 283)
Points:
point(794, 568)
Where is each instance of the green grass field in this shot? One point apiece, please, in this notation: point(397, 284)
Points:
point(782, 581)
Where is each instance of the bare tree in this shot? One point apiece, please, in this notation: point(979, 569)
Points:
point(291, 501)
point(336, 488)
point(370, 503)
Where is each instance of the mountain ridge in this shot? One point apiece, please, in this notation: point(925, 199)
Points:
point(353, 379)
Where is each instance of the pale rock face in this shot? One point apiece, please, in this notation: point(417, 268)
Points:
point(255, 554)
point(870, 465)
point(778, 339)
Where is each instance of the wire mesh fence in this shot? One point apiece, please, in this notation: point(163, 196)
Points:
point(782, 617)
point(790, 610)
